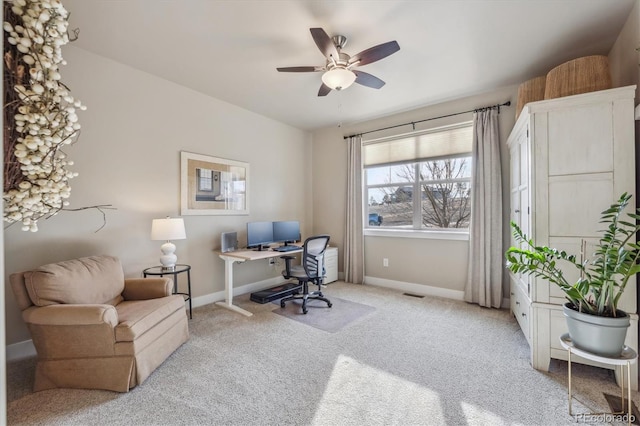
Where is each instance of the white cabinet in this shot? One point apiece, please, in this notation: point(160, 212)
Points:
point(571, 158)
point(521, 309)
point(331, 265)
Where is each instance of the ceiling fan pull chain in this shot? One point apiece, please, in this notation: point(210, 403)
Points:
point(339, 108)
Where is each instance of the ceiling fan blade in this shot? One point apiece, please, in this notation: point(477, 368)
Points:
point(375, 53)
point(324, 43)
point(324, 90)
point(368, 80)
point(300, 69)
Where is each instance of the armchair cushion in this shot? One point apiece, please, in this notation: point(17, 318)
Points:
point(88, 280)
point(137, 317)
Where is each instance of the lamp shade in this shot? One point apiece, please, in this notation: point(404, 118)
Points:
point(168, 229)
point(338, 78)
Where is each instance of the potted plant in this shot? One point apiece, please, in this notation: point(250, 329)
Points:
point(595, 323)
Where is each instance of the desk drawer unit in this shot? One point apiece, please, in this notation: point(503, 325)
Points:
point(331, 265)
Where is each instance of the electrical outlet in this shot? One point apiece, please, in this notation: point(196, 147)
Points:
point(385, 262)
point(272, 261)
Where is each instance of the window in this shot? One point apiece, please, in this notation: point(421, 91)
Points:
point(421, 181)
point(205, 179)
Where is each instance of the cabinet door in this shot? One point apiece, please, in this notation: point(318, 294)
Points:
point(523, 143)
point(576, 203)
point(520, 181)
point(524, 198)
point(515, 212)
point(515, 165)
point(580, 139)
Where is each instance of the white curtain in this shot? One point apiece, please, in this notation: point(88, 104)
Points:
point(354, 240)
point(484, 281)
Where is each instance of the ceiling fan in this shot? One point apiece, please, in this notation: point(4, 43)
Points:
point(338, 72)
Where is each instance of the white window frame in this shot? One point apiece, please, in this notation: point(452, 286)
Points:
point(461, 234)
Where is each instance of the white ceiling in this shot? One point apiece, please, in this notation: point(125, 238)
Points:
point(448, 48)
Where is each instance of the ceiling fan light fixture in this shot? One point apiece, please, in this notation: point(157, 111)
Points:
point(338, 78)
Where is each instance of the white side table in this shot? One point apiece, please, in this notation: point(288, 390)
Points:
point(626, 358)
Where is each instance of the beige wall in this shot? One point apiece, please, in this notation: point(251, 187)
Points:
point(624, 59)
point(624, 62)
point(434, 263)
point(128, 155)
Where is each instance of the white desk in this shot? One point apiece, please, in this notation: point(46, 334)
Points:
point(240, 256)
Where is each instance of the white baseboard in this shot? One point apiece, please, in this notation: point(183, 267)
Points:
point(20, 350)
point(420, 289)
point(423, 289)
point(26, 349)
point(506, 303)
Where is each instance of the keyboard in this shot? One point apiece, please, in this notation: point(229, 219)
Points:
point(287, 248)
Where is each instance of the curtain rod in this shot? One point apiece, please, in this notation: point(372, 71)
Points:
point(413, 123)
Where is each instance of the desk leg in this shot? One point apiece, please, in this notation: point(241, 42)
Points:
point(228, 289)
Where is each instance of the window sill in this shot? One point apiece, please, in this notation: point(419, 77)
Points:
point(411, 233)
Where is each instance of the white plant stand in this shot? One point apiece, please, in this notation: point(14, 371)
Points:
point(625, 359)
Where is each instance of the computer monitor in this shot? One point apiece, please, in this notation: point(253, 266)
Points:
point(286, 231)
point(259, 234)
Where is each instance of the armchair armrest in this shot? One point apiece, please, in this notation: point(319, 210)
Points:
point(146, 288)
point(72, 331)
point(72, 315)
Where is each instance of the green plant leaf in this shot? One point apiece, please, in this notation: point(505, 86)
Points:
point(604, 276)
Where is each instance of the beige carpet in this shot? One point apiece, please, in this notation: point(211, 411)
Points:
point(410, 361)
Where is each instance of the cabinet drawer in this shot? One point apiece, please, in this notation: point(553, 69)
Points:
point(521, 308)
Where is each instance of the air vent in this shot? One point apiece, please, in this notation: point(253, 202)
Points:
point(419, 296)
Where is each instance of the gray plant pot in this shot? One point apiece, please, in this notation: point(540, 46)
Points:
point(599, 335)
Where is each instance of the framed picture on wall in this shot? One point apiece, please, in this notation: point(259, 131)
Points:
point(213, 186)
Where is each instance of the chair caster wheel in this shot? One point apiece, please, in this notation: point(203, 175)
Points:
point(282, 305)
point(330, 304)
point(304, 311)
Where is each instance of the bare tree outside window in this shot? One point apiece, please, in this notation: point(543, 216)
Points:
point(420, 181)
point(444, 188)
point(446, 193)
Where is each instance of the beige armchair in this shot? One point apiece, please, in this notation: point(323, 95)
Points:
point(94, 329)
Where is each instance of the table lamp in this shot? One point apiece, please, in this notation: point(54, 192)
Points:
point(168, 229)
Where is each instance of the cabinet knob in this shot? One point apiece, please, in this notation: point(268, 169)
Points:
point(517, 210)
point(512, 293)
point(524, 315)
point(517, 303)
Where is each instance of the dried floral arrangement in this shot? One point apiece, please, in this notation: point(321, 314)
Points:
point(39, 112)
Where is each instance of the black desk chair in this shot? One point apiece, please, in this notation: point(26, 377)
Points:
point(311, 269)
